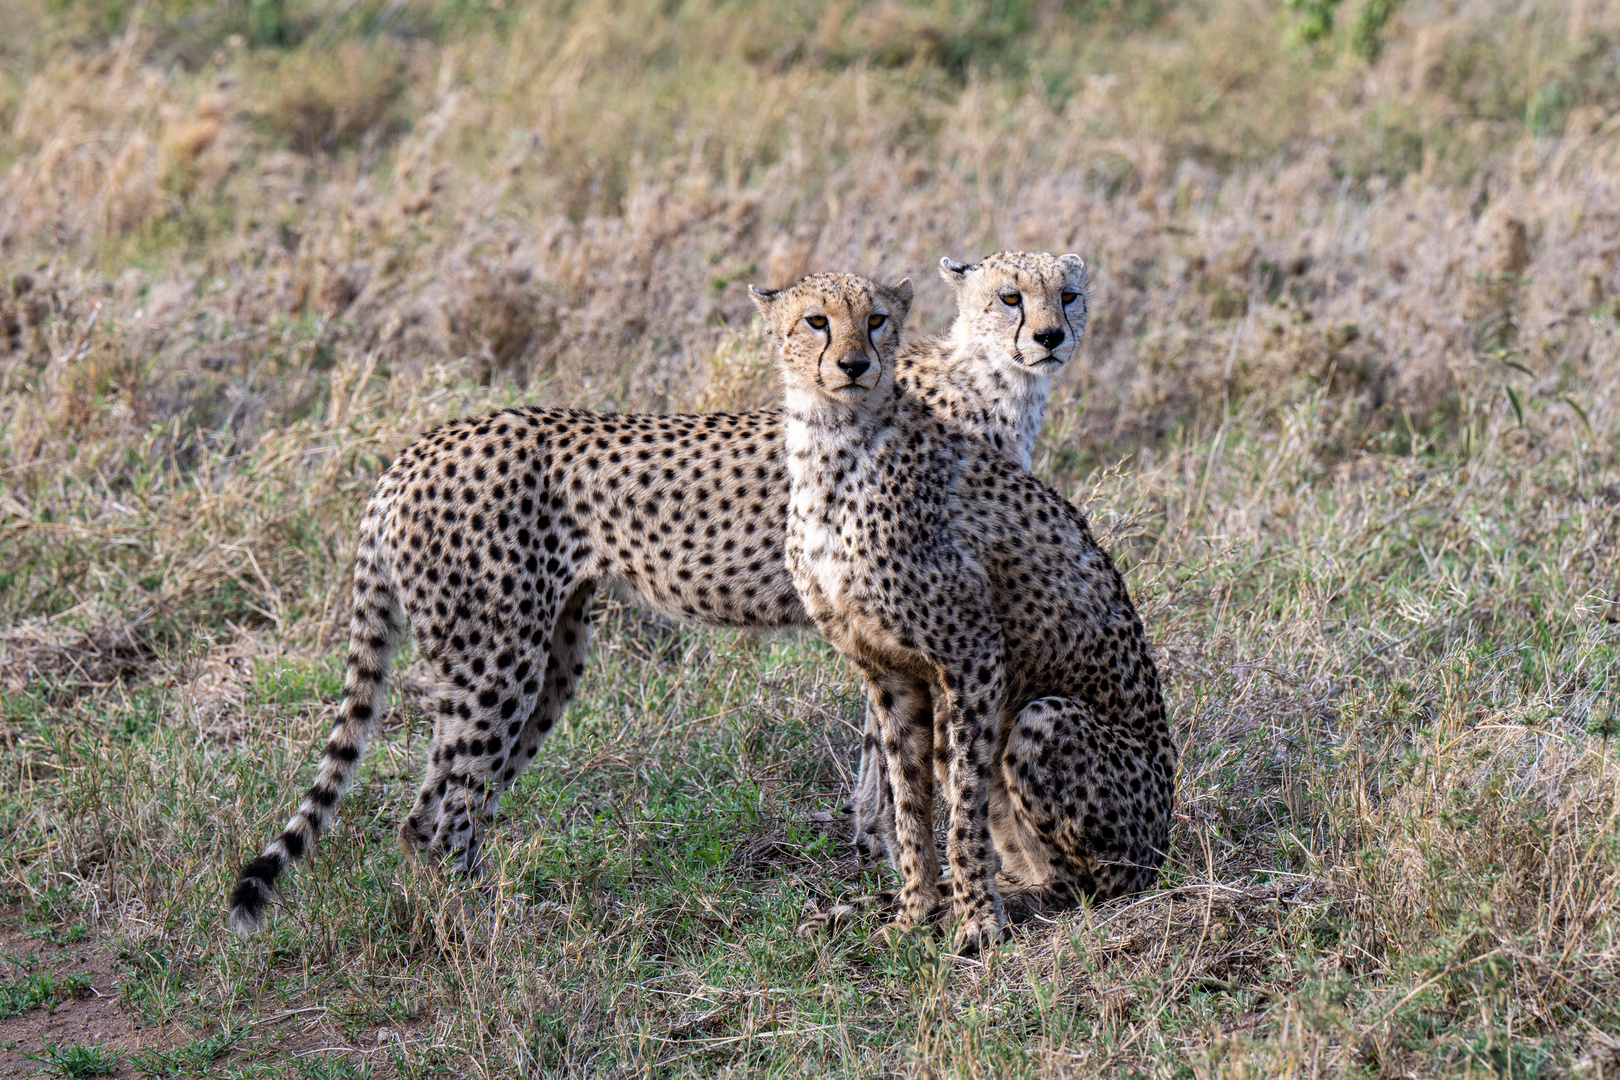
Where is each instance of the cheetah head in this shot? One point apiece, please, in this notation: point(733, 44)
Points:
point(836, 333)
point(1024, 310)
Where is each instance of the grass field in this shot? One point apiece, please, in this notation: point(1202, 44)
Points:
point(1348, 414)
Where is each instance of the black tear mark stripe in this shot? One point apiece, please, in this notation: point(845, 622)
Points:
point(822, 355)
point(1084, 301)
point(1018, 354)
point(876, 360)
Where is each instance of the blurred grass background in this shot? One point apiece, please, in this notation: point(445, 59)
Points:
point(1346, 412)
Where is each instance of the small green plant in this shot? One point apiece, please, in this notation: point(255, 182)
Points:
point(76, 1061)
point(1367, 36)
point(1544, 109)
point(1604, 722)
point(192, 1059)
point(41, 990)
point(1313, 20)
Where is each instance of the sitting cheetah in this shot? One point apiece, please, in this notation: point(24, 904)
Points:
point(488, 538)
point(1020, 316)
point(974, 601)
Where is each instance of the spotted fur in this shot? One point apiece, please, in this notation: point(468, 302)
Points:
point(1019, 317)
point(487, 540)
point(998, 641)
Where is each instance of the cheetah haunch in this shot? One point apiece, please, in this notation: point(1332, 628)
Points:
point(976, 604)
point(488, 538)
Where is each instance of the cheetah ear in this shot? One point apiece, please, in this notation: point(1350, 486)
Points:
point(1075, 266)
point(902, 292)
point(763, 299)
point(953, 271)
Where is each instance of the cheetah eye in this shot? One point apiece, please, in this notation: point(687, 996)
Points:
point(1011, 299)
point(817, 322)
point(875, 321)
point(1069, 297)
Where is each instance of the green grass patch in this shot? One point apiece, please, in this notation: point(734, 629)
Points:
point(41, 990)
point(76, 1061)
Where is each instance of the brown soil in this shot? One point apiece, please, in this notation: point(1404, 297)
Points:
point(96, 1017)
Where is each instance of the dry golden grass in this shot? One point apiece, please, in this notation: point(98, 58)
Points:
point(1346, 413)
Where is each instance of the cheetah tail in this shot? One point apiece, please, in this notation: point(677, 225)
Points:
point(374, 633)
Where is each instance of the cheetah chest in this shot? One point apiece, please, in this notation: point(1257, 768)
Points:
point(835, 584)
point(814, 543)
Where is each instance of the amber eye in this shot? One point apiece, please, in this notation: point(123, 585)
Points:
point(875, 321)
point(1069, 297)
point(817, 322)
point(1011, 299)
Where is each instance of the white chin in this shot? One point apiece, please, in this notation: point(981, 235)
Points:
point(800, 399)
point(1034, 369)
point(1008, 362)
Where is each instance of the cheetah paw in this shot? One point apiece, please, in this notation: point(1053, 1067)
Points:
point(977, 932)
point(842, 913)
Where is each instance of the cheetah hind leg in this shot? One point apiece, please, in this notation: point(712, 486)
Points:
point(1088, 823)
point(440, 817)
point(872, 804)
point(1023, 905)
point(570, 644)
point(475, 732)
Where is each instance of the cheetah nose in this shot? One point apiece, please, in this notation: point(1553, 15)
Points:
point(1050, 339)
point(854, 365)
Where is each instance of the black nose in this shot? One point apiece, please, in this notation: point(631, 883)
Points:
point(854, 366)
point(1050, 339)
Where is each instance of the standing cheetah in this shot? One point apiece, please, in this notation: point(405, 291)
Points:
point(975, 603)
point(488, 538)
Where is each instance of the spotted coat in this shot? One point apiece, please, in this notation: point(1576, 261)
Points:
point(999, 643)
point(1020, 316)
point(487, 540)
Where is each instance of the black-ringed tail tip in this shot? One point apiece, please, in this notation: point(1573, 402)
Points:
point(253, 891)
point(255, 886)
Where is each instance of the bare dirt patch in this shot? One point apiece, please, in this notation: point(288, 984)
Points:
point(92, 1014)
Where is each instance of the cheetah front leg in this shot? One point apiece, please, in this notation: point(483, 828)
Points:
point(873, 801)
point(952, 728)
point(972, 695)
point(906, 734)
point(872, 804)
